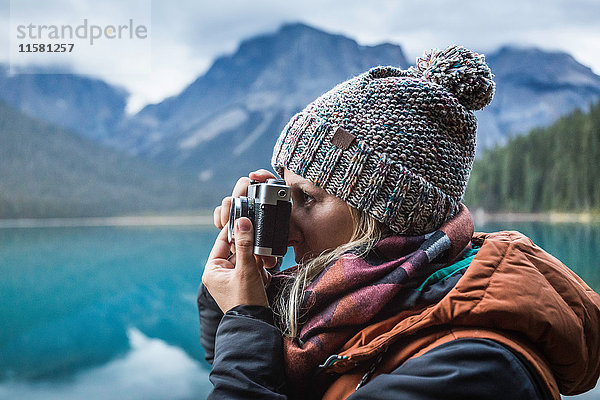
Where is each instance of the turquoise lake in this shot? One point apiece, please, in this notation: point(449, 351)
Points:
point(109, 312)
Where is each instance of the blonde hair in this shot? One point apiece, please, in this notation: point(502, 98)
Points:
point(367, 231)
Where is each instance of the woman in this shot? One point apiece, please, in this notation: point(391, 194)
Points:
point(393, 295)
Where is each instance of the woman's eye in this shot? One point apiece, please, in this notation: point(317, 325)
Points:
point(307, 198)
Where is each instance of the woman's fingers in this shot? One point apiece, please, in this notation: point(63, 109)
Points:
point(221, 213)
point(225, 208)
point(249, 273)
point(220, 250)
point(217, 217)
point(244, 242)
point(241, 187)
point(237, 280)
point(266, 275)
point(261, 175)
point(268, 261)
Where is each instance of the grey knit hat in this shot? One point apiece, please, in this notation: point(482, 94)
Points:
point(398, 144)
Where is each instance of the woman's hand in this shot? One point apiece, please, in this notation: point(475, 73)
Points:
point(241, 278)
point(221, 213)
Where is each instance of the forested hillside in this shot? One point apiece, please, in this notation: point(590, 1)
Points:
point(550, 169)
point(47, 171)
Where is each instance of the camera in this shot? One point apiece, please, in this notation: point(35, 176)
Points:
point(269, 206)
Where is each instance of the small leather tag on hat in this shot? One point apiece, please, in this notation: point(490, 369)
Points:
point(342, 138)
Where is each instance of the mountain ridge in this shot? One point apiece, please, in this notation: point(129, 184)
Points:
point(534, 88)
point(87, 105)
point(287, 69)
point(225, 123)
point(260, 68)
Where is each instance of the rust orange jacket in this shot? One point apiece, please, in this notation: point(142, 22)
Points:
point(513, 292)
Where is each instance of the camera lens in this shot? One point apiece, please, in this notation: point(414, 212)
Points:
point(240, 207)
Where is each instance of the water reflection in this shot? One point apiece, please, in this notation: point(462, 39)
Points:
point(69, 295)
point(150, 370)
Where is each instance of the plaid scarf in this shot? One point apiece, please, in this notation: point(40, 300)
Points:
point(355, 291)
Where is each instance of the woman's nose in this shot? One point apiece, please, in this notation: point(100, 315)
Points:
point(295, 234)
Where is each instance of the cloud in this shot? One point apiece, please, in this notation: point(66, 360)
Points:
point(189, 34)
point(151, 370)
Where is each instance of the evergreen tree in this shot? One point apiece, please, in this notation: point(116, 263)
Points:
point(549, 169)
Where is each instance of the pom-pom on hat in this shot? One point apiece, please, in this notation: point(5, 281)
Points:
point(398, 144)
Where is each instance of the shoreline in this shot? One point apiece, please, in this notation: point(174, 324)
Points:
point(123, 221)
point(480, 217)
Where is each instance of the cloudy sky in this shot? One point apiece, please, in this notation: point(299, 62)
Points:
point(187, 35)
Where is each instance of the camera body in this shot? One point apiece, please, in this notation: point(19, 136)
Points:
point(269, 207)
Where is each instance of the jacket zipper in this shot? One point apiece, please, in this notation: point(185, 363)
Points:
point(371, 370)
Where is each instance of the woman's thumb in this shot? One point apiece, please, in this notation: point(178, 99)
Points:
point(244, 242)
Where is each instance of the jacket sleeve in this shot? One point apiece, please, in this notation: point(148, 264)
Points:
point(461, 369)
point(248, 361)
point(210, 315)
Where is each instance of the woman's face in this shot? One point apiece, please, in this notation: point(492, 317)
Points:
point(319, 220)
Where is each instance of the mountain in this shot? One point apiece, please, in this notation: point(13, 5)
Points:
point(88, 106)
point(49, 172)
point(550, 169)
point(226, 122)
point(534, 88)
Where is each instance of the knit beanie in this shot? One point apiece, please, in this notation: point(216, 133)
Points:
point(397, 144)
